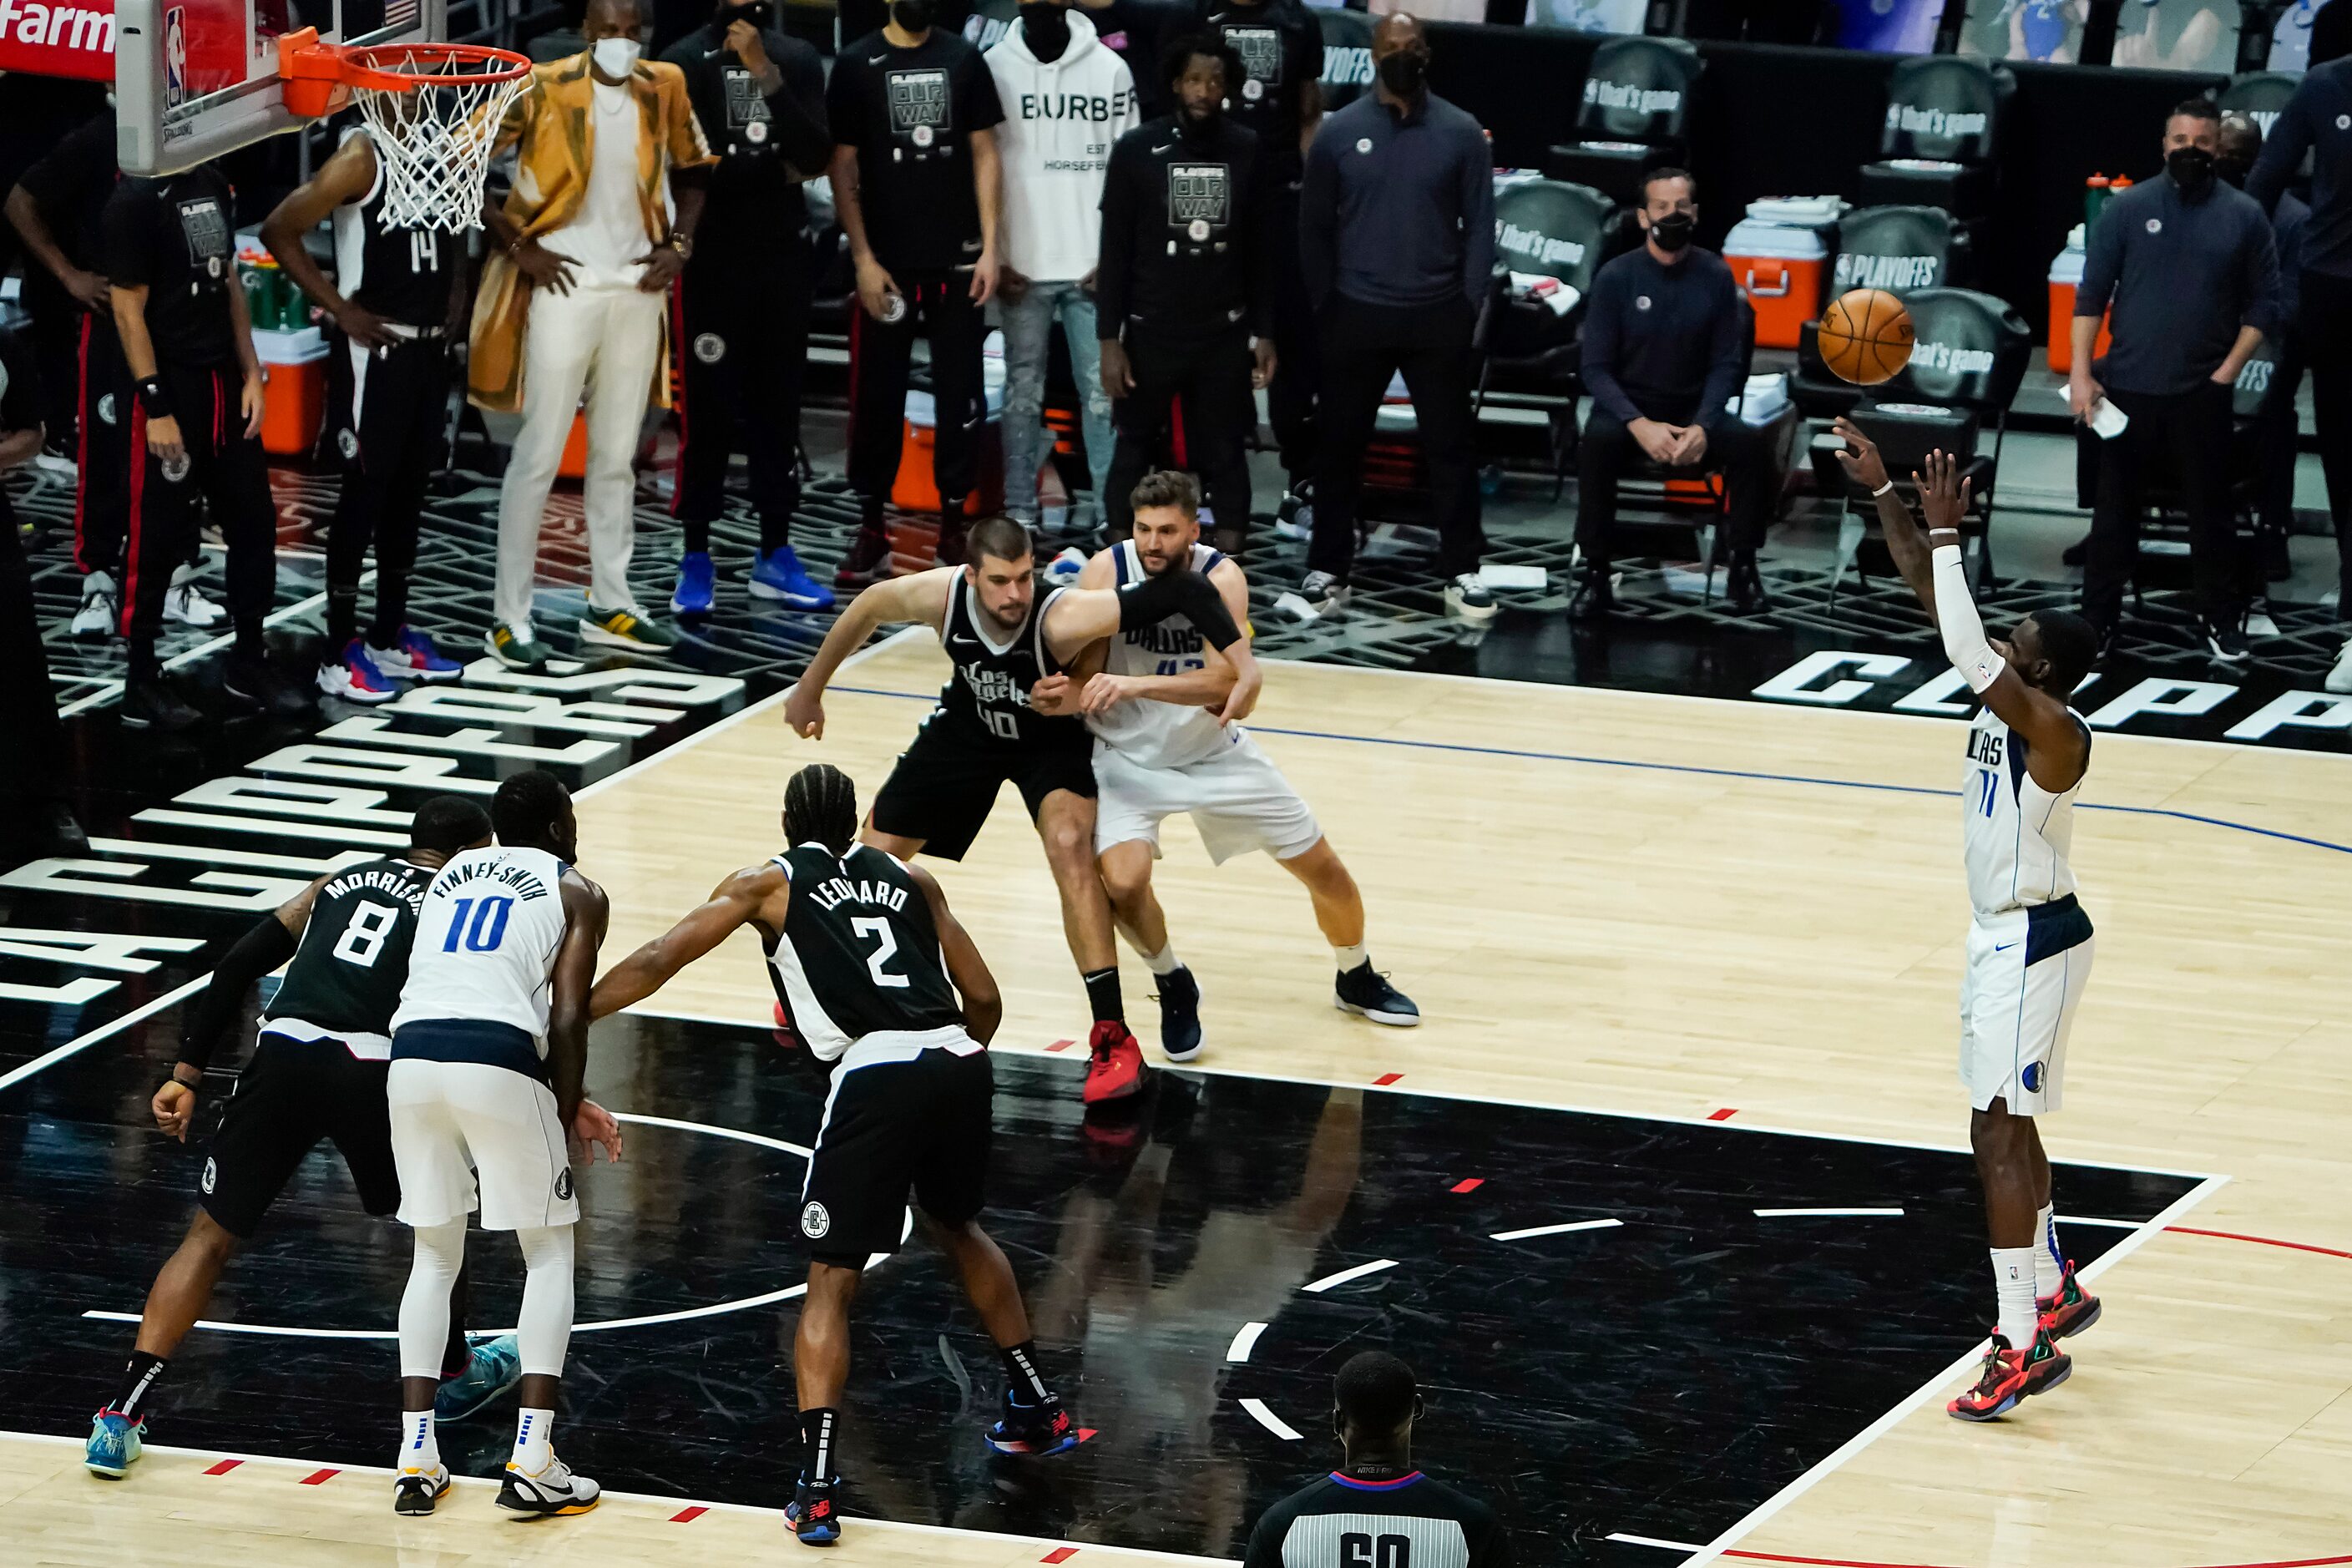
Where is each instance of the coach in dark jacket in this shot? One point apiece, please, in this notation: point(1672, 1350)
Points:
point(1396, 235)
point(1664, 348)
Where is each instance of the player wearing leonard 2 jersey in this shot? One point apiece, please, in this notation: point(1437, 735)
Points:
point(490, 1051)
point(870, 963)
point(395, 306)
point(317, 1073)
point(986, 730)
point(1159, 751)
point(2029, 944)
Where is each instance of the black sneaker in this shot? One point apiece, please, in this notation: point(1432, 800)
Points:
point(868, 560)
point(2226, 641)
point(1365, 990)
point(251, 684)
point(1592, 598)
point(811, 1513)
point(1033, 1431)
point(151, 704)
point(1180, 1016)
point(58, 831)
point(951, 549)
point(1746, 586)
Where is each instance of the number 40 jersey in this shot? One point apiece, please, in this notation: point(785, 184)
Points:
point(346, 975)
point(858, 955)
point(486, 940)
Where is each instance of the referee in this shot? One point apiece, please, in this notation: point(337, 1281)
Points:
point(1376, 1511)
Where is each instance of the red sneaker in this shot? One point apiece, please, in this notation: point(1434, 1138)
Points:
point(1117, 1069)
point(2008, 1375)
point(2070, 1310)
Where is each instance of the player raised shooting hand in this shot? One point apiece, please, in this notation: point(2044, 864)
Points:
point(1943, 496)
point(1860, 457)
point(592, 1125)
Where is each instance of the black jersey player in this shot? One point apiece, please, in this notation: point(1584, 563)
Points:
point(317, 1073)
point(1010, 646)
point(880, 984)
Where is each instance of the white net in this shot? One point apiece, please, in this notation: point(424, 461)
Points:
point(433, 139)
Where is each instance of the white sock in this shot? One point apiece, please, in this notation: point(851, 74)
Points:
point(1349, 958)
point(533, 1432)
point(2049, 1263)
point(1164, 962)
point(419, 1449)
point(2012, 1279)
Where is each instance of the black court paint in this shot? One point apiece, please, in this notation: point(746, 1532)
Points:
point(1660, 1377)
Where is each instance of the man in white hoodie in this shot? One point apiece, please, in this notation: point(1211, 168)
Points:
point(1067, 98)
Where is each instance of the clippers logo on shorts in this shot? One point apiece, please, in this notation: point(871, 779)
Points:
point(205, 227)
point(1261, 52)
point(745, 106)
point(212, 1172)
point(815, 1222)
point(918, 106)
point(1200, 199)
point(106, 408)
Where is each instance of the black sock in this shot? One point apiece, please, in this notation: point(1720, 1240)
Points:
point(869, 516)
point(1027, 1384)
point(144, 667)
point(775, 533)
point(250, 644)
point(343, 619)
point(698, 535)
point(816, 1442)
point(456, 1355)
point(1102, 994)
point(139, 1379)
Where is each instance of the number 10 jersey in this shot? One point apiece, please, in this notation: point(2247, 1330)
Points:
point(486, 941)
point(346, 975)
point(858, 954)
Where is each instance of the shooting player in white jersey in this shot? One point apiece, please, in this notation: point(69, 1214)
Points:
point(889, 992)
point(490, 1051)
point(1146, 693)
point(2030, 944)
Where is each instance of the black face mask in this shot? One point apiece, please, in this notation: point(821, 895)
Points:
point(2232, 171)
point(2191, 168)
point(1673, 231)
point(1047, 29)
point(913, 16)
point(755, 13)
point(1404, 73)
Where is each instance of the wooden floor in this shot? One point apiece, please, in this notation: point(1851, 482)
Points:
point(1668, 907)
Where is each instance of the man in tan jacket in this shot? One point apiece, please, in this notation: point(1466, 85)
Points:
point(585, 248)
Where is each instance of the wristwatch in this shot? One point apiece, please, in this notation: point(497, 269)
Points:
point(684, 244)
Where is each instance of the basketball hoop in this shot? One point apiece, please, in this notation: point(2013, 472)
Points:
point(433, 109)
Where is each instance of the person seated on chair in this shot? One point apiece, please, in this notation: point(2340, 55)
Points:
point(1664, 352)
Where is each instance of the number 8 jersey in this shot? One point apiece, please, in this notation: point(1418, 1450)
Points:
point(486, 941)
point(346, 975)
point(858, 955)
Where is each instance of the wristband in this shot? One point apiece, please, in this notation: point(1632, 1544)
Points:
point(152, 398)
point(1882, 489)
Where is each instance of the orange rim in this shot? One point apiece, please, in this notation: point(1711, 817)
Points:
point(320, 78)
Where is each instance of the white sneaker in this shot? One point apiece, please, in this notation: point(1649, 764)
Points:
point(188, 606)
point(1468, 598)
point(100, 611)
point(1321, 595)
point(415, 1491)
point(552, 1490)
point(2259, 623)
point(2339, 679)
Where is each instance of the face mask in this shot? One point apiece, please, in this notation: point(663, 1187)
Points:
point(1045, 24)
point(1673, 231)
point(1403, 73)
point(912, 15)
point(2191, 167)
point(615, 57)
point(2232, 171)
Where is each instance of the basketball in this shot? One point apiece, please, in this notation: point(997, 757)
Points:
point(1865, 336)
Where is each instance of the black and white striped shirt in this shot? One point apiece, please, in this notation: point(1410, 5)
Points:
point(1402, 1521)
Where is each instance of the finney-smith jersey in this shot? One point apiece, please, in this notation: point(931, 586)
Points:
point(1159, 734)
point(858, 954)
point(345, 980)
point(487, 940)
point(987, 697)
point(2015, 833)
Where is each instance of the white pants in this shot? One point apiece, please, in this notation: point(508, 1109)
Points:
point(608, 340)
point(452, 1121)
point(1238, 800)
point(2015, 1016)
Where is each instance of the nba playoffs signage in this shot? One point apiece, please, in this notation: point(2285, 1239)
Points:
point(2272, 712)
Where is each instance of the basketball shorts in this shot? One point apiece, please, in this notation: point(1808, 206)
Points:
point(945, 782)
point(1238, 799)
point(2026, 970)
point(291, 1095)
point(472, 1134)
point(896, 1125)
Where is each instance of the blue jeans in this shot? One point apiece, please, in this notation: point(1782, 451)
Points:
point(1028, 328)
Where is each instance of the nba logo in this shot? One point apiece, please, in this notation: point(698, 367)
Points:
point(175, 56)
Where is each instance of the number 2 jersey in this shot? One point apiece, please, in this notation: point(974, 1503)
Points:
point(2015, 835)
point(858, 956)
point(486, 941)
point(345, 980)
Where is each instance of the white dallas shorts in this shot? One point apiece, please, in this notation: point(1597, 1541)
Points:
point(2026, 973)
point(453, 1121)
point(1238, 800)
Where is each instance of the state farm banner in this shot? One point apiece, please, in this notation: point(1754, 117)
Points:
point(204, 41)
point(72, 38)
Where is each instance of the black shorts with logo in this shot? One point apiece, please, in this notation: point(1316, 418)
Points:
point(891, 1128)
point(946, 780)
point(292, 1094)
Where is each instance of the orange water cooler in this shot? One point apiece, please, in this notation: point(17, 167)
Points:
point(1781, 267)
point(2065, 278)
point(294, 389)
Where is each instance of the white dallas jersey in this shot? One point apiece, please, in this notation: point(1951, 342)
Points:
point(2014, 833)
point(1159, 734)
point(486, 940)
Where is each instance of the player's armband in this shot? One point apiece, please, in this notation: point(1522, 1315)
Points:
point(1187, 593)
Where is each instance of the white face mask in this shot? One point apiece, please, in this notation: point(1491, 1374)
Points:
point(616, 56)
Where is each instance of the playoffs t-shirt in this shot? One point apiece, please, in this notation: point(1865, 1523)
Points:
point(910, 114)
point(1281, 50)
point(173, 237)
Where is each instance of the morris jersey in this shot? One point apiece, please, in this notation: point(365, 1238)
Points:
point(858, 954)
point(486, 941)
point(2015, 833)
point(404, 275)
point(987, 697)
point(344, 983)
point(1159, 734)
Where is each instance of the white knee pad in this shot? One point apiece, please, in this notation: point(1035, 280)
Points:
point(545, 1329)
point(424, 1305)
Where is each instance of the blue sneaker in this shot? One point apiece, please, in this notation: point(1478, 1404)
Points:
point(354, 676)
point(114, 1444)
point(413, 657)
point(778, 574)
point(811, 1513)
point(698, 580)
point(495, 1366)
point(1033, 1431)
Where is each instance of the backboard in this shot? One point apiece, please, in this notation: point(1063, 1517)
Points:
point(196, 79)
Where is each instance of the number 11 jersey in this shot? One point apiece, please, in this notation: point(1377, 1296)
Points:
point(346, 975)
point(858, 955)
point(486, 941)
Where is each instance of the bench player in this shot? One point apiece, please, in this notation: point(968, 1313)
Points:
point(2030, 944)
point(490, 1052)
point(1005, 641)
point(1146, 694)
point(317, 1073)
